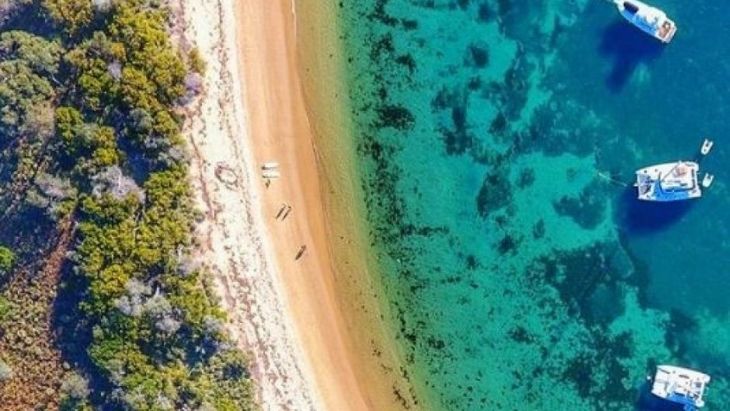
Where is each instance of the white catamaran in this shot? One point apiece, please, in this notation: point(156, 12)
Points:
point(649, 19)
point(669, 182)
point(681, 386)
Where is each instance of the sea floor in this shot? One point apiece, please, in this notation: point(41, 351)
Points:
point(498, 141)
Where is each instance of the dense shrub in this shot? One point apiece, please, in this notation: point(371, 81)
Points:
point(103, 87)
point(7, 259)
point(6, 372)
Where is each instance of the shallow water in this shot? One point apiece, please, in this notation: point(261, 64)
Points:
point(497, 142)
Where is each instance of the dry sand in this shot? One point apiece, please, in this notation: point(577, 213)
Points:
point(232, 234)
point(282, 310)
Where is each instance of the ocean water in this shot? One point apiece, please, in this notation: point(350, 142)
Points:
point(497, 142)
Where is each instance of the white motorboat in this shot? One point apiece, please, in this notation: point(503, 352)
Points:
point(707, 180)
point(706, 146)
point(649, 19)
point(669, 182)
point(680, 385)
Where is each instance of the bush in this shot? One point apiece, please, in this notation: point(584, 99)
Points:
point(7, 260)
point(75, 387)
point(196, 61)
point(6, 372)
point(70, 15)
point(5, 309)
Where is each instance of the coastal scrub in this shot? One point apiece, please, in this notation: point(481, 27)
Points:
point(90, 130)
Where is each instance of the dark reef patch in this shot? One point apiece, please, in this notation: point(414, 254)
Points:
point(609, 351)
point(526, 178)
point(409, 24)
point(495, 192)
point(587, 210)
point(509, 243)
point(579, 274)
point(378, 13)
point(478, 55)
point(382, 48)
point(484, 12)
point(498, 125)
point(511, 93)
point(397, 117)
point(407, 61)
point(453, 126)
point(520, 335)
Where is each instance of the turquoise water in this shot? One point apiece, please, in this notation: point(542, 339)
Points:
point(497, 142)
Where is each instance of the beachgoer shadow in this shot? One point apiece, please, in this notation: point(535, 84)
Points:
point(628, 47)
point(637, 217)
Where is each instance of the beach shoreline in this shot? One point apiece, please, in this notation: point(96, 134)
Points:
point(280, 280)
point(286, 128)
point(231, 236)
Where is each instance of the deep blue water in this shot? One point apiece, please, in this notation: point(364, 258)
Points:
point(682, 100)
point(498, 141)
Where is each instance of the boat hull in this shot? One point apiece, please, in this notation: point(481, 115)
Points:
point(668, 182)
point(648, 19)
point(680, 385)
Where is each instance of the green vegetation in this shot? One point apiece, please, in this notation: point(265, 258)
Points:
point(196, 62)
point(5, 371)
point(5, 309)
point(90, 139)
point(71, 15)
point(7, 259)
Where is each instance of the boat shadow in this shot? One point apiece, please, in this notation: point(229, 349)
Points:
point(628, 47)
point(648, 402)
point(645, 217)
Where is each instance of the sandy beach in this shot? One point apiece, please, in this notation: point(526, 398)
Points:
point(267, 245)
point(232, 234)
point(281, 132)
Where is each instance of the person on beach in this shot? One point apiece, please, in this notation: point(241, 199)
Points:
point(286, 214)
point(302, 249)
point(283, 208)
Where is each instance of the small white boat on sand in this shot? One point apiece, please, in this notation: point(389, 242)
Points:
point(681, 386)
point(669, 182)
point(271, 174)
point(649, 19)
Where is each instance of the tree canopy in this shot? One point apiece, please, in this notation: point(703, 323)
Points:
point(89, 119)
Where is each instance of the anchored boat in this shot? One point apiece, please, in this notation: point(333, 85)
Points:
point(706, 146)
point(669, 182)
point(649, 19)
point(681, 386)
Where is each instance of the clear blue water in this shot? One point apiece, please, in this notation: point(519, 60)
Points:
point(498, 141)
